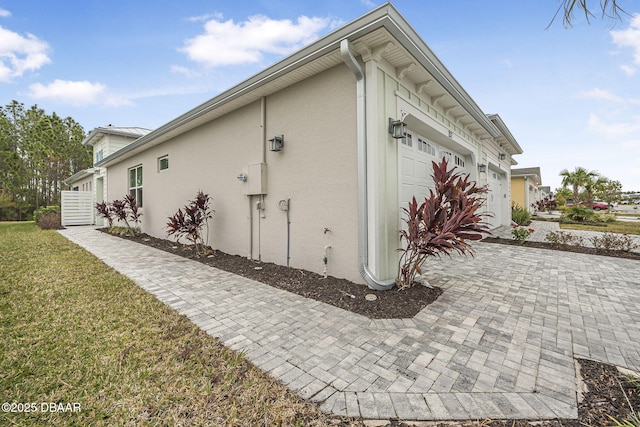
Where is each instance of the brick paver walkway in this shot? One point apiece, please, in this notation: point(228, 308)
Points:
point(500, 342)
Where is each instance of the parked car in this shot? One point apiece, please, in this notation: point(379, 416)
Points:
point(596, 206)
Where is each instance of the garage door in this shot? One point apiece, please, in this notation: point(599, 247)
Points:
point(415, 156)
point(415, 170)
point(495, 197)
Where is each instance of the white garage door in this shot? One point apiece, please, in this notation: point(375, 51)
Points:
point(495, 197)
point(415, 156)
point(415, 171)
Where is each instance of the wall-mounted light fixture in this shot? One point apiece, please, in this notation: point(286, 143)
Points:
point(482, 167)
point(397, 128)
point(276, 143)
point(450, 134)
point(503, 156)
point(242, 177)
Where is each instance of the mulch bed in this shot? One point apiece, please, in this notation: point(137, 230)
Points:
point(341, 293)
point(608, 392)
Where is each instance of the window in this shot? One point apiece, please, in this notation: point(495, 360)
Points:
point(459, 161)
point(426, 147)
point(407, 140)
point(163, 163)
point(135, 184)
point(99, 155)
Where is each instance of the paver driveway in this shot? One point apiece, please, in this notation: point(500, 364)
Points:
point(500, 341)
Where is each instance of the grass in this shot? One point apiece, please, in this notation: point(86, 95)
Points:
point(75, 331)
point(622, 227)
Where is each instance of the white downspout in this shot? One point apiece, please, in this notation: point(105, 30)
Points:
point(361, 128)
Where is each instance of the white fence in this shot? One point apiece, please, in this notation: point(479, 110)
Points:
point(77, 208)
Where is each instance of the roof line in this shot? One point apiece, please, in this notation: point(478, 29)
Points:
point(386, 16)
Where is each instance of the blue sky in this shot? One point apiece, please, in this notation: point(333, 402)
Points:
point(571, 97)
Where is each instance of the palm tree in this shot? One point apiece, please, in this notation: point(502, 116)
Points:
point(591, 184)
point(576, 179)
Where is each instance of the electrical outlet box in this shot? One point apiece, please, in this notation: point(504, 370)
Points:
point(257, 179)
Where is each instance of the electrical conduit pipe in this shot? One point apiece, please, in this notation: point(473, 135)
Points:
point(363, 218)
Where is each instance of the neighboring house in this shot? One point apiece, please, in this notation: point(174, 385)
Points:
point(105, 140)
point(545, 192)
point(526, 185)
point(300, 160)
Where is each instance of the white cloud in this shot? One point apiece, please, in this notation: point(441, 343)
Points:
point(629, 37)
point(184, 71)
point(603, 95)
point(4, 13)
point(624, 132)
point(231, 43)
point(77, 93)
point(19, 54)
point(206, 17)
point(629, 70)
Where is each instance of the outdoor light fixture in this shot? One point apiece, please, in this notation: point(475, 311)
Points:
point(503, 156)
point(397, 128)
point(277, 143)
point(482, 167)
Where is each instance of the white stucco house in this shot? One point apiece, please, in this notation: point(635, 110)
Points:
point(300, 159)
point(104, 140)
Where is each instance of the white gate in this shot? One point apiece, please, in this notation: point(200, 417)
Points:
point(77, 208)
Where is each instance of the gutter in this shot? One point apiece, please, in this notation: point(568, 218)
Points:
point(361, 128)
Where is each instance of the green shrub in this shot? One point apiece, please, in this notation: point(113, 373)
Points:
point(600, 217)
point(48, 217)
point(49, 221)
point(564, 238)
point(45, 209)
point(520, 234)
point(613, 242)
point(578, 213)
point(520, 215)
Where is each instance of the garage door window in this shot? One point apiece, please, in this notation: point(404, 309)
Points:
point(426, 147)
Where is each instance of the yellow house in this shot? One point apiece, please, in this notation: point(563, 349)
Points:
point(525, 187)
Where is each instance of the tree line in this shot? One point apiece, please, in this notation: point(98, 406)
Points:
point(37, 152)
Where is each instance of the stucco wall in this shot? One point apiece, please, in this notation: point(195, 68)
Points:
point(317, 171)
point(518, 186)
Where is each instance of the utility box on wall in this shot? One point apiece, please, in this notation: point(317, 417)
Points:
point(257, 179)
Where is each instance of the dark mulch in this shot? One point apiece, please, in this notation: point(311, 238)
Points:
point(565, 248)
point(341, 293)
point(608, 392)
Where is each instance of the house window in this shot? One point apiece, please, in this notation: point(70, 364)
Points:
point(459, 161)
point(426, 147)
point(135, 184)
point(163, 163)
point(99, 155)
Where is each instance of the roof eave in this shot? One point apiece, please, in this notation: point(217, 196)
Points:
point(386, 16)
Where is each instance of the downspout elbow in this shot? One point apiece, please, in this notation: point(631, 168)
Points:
point(363, 219)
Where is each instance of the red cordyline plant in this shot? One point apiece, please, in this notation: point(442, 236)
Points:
point(134, 213)
point(121, 210)
point(442, 224)
point(104, 210)
point(189, 223)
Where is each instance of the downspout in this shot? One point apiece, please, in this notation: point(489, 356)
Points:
point(361, 129)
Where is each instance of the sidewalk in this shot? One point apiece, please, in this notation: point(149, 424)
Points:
point(499, 343)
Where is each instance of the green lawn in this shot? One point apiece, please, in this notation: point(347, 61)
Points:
point(75, 332)
point(622, 227)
